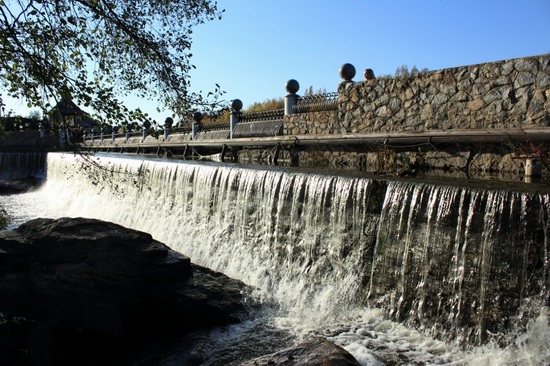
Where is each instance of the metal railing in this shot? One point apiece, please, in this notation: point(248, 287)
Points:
point(260, 124)
point(316, 103)
point(214, 126)
point(181, 130)
point(271, 115)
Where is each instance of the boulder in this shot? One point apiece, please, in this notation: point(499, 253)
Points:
point(19, 185)
point(317, 352)
point(108, 283)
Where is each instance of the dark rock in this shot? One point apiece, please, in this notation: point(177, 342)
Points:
point(12, 334)
point(51, 343)
point(19, 185)
point(114, 286)
point(317, 352)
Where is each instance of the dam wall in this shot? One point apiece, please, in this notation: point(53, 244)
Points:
point(491, 117)
point(509, 97)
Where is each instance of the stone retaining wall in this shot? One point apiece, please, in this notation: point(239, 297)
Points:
point(504, 94)
point(313, 123)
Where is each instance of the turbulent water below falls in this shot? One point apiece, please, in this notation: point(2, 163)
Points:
point(395, 272)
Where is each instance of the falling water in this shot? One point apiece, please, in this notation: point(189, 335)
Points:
point(432, 273)
point(21, 165)
point(466, 259)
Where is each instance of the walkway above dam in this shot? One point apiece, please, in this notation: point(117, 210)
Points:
point(181, 144)
point(491, 116)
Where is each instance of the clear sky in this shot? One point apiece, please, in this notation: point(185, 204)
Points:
point(259, 45)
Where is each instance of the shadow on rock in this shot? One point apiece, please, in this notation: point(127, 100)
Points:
point(85, 291)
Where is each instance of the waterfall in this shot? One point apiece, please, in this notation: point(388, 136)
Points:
point(21, 165)
point(460, 263)
point(299, 237)
point(462, 258)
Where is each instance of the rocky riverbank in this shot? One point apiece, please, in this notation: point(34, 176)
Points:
point(83, 291)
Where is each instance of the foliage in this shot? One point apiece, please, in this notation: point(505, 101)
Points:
point(309, 91)
point(2, 106)
point(221, 115)
point(4, 219)
point(536, 150)
point(95, 51)
point(266, 105)
point(404, 71)
point(36, 115)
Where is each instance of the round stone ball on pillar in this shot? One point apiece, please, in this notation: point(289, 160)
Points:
point(197, 117)
point(292, 86)
point(235, 116)
point(195, 127)
point(236, 105)
point(347, 72)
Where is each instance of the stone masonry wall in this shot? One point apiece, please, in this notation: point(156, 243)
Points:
point(505, 94)
point(313, 123)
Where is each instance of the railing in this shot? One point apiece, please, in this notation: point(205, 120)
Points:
point(271, 115)
point(181, 130)
point(316, 103)
point(215, 126)
point(260, 124)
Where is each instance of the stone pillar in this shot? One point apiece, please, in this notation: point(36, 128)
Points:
point(236, 106)
point(347, 72)
point(292, 87)
point(196, 125)
point(533, 168)
point(168, 122)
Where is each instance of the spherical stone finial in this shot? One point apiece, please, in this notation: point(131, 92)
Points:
point(236, 105)
point(347, 72)
point(292, 86)
point(197, 117)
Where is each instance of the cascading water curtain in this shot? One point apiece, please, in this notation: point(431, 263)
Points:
point(22, 165)
point(305, 240)
point(460, 262)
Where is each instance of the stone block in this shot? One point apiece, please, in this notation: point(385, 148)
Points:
point(542, 80)
point(524, 79)
point(477, 104)
point(525, 64)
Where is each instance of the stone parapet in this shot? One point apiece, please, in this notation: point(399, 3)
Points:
point(313, 123)
point(505, 94)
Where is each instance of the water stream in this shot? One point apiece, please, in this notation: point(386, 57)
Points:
point(394, 271)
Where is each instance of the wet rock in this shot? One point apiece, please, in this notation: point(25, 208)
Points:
point(20, 185)
point(115, 287)
point(312, 353)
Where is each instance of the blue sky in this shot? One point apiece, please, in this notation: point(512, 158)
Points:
point(259, 45)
